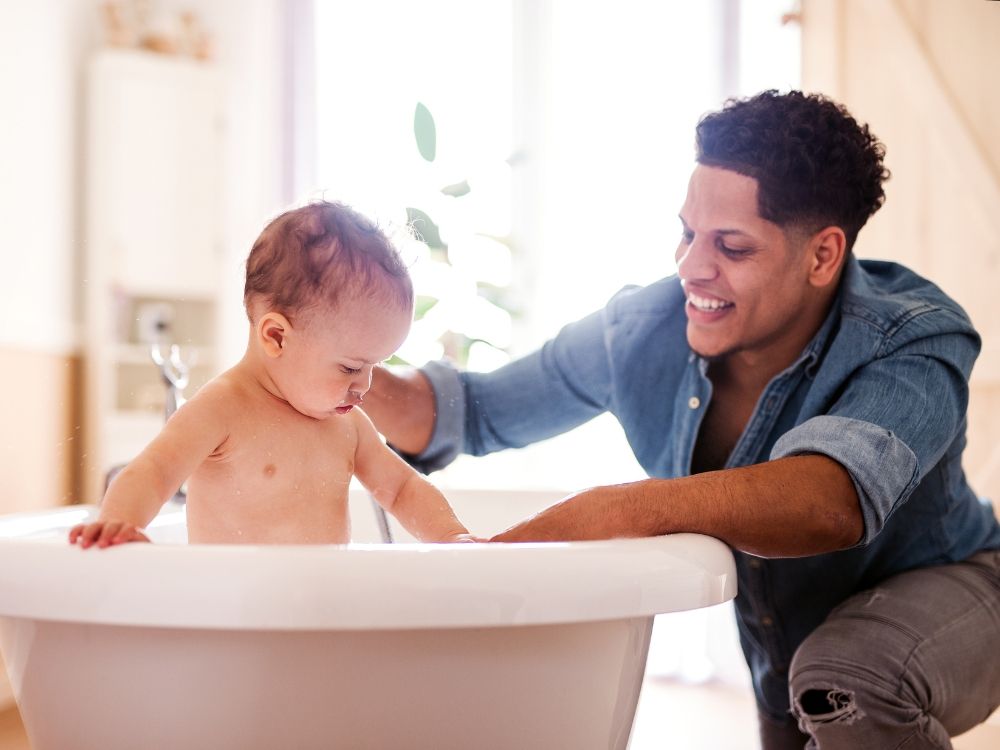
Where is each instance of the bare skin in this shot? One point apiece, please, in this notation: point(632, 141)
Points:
point(270, 446)
point(756, 295)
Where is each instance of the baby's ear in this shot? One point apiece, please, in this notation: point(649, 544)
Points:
point(272, 328)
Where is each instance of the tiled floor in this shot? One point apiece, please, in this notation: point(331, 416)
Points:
point(671, 715)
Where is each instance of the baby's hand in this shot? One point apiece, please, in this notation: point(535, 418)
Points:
point(105, 534)
point(463, 538)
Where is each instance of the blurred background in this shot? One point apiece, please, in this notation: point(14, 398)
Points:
point(540, 148)
point(145, 144)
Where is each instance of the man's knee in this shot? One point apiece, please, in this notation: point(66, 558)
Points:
point(826, 696)
point(841, 681)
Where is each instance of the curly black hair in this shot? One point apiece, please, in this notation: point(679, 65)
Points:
point(815, 165)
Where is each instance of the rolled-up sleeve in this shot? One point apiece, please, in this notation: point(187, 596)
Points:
point(881, 465)
point(893, 421)
point(449, 399)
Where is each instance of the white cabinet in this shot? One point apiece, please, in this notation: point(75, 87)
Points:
point(153, 242)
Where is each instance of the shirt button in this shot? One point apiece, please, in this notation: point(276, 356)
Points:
point(694, 402)
point(766, 621)
point(754, 563)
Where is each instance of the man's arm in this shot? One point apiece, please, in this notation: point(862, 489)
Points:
point(436, 413)
point(790, 507)
point(401, 404)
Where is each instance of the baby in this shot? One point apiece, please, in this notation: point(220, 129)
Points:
point(269, 447)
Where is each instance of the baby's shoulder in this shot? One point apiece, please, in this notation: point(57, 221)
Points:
point(220, 391)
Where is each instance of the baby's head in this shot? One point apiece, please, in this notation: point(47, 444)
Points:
point(328, 297)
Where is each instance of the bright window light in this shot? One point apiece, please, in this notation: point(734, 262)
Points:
point(610, 150)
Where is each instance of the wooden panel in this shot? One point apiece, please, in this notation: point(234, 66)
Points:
point(39, 433)
point(922, 74)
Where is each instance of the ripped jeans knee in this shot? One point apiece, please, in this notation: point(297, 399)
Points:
point(833, 706)
point(827, 705)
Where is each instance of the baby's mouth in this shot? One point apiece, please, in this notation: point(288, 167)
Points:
point(353, 399)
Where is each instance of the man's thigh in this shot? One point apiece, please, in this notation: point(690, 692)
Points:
point(908, 663)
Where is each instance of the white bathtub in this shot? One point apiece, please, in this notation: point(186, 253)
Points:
point(357, 646)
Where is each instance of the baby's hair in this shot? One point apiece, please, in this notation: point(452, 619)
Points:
point(317, 255)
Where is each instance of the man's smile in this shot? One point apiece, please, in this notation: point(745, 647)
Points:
point(707, 303)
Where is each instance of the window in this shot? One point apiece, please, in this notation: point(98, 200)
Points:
point(573, 121)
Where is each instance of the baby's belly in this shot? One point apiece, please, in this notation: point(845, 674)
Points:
point(291, 518)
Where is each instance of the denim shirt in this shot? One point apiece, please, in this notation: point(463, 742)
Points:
point(882, 389)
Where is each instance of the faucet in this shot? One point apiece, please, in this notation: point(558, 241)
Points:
point(175, 375)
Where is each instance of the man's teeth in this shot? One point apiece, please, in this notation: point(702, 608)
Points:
point(707, 304)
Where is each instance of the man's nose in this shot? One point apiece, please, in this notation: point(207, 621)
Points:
point(696, 261)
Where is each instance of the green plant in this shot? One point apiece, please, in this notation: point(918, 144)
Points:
point(458, 324)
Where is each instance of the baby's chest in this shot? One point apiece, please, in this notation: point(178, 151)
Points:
point(289, 457)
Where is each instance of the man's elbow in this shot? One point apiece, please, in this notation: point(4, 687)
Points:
point(847, 527)
point(845, 524)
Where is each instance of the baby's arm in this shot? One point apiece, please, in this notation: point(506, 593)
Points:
point(417, 503)
point(137, 493)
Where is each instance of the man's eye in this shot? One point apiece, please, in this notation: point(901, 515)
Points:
point(687, 237)
point(733, 252)
point(350, 370)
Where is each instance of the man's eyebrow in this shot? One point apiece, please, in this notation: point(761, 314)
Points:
point(723, 232)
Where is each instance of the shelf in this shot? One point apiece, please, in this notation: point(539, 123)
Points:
point(139, 354)
point(127, 433)
point(154, 237)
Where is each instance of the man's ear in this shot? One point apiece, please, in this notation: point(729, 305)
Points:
point(827, 250)
point(272, 331)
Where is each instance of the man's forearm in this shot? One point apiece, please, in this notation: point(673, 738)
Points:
point(401, 405)
point(791, 507)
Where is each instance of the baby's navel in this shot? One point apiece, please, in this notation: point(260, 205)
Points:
point(270, 470)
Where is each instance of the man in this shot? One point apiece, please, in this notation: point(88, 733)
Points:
point(806, 407)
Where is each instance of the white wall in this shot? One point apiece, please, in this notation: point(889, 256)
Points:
point(42, 45)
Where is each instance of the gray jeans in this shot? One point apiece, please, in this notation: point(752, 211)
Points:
point(904, 665)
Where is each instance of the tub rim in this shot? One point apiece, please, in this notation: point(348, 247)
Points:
point(355, 586)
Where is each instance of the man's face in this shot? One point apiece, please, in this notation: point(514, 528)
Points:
point(746, 284)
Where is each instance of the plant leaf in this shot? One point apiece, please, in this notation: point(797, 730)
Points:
point(425, 228)
point(425, 132)
point(457, 190)
point(424, 304)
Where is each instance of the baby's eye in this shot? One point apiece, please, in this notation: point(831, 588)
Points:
point(350, 370)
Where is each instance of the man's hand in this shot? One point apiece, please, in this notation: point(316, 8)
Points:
point(105, 534)
point(596, 513)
